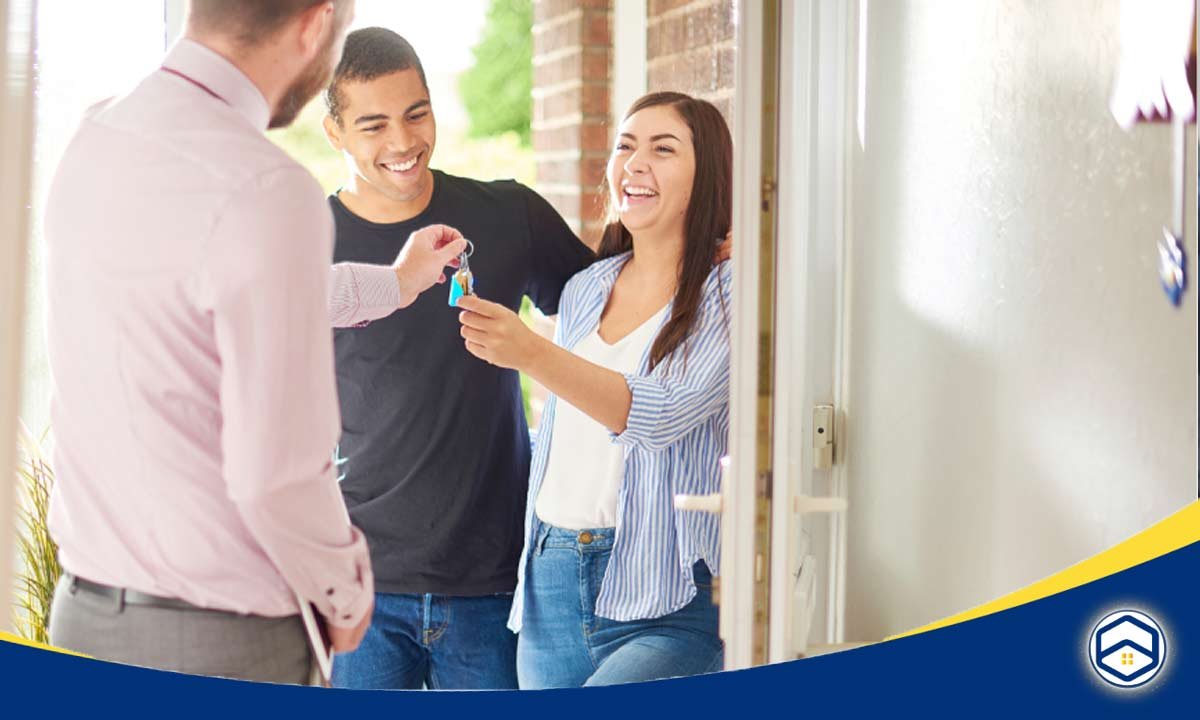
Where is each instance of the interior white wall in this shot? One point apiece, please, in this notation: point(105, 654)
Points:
point(1023, 395)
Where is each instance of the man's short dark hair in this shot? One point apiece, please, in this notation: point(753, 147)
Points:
point(370, 53)
point(247, 22)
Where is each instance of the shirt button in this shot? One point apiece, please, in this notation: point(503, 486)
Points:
point(585, 537)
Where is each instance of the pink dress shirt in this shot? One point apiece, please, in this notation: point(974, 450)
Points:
point(195, 411)
point(361, 293)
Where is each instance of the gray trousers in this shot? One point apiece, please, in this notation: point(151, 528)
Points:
point(193, 641)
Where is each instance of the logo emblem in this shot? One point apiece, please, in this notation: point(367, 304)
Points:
point(1127, 648)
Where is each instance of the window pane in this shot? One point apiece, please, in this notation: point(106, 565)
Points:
point(86, 52)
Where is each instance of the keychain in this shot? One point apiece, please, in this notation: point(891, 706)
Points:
point(1172, 260)
point(1172, 267)
point(463, 282)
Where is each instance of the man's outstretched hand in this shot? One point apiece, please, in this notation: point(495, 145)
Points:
point(423, 261)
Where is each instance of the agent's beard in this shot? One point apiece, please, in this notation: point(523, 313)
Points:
point(314, 79)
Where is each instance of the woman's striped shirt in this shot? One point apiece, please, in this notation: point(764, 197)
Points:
point(677, 431)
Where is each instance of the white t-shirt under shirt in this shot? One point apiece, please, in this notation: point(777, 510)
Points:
point(583, 473)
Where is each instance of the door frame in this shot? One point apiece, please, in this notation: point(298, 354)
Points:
point(738, 621)
point(18, 19)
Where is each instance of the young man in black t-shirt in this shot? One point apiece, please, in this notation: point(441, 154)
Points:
point(435, 450)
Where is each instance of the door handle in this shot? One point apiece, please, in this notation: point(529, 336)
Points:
point(712, 503)
point(802, 504)
point(700, 503)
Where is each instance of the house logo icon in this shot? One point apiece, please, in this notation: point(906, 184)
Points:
point(1127, 648)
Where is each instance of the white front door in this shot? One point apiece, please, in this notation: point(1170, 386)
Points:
point(784, 537)
point(808, 537)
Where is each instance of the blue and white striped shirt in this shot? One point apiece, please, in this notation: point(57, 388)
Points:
point(677, 431)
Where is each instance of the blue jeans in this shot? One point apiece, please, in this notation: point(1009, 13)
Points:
point(434, 641)
point(563, 643)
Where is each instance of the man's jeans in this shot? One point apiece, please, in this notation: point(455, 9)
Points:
point(563, 642)
point(434, 641)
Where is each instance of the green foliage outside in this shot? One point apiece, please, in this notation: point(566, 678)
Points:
point(497, 91)
point(528, 392)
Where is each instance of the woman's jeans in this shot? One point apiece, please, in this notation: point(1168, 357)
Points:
point(563, 643)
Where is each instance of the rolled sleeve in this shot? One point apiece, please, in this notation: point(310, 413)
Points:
point(270, 274)
point(645, 410)
point(690, 385)
point(663, 412)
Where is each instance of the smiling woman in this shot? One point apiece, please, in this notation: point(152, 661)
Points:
point(639, 372)
point(641, 176)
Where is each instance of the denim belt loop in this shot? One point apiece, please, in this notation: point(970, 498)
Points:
point(543, 532)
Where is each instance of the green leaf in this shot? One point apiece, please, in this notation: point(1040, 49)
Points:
point(38, 569)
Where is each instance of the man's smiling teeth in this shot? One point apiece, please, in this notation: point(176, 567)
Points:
point(402, 167)
point(640, 191)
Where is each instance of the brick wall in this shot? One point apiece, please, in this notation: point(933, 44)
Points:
point(690, 47)
point(572, 60)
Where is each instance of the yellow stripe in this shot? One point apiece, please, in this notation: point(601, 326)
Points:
point(1176, 531)
point(14, 640)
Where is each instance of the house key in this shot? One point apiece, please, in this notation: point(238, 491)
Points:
point(463, 282)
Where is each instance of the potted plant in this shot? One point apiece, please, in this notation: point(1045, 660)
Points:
point(38, 569)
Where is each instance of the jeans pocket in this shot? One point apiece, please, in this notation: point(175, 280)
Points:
point(718, 662)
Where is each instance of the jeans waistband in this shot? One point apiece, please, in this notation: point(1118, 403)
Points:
point(588, 540)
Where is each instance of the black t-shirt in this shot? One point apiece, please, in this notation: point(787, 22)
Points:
point(435, 452)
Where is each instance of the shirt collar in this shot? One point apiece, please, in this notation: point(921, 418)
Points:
point(216, 73)
point(608, 269)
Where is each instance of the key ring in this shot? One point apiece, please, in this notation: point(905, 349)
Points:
point(463, 263)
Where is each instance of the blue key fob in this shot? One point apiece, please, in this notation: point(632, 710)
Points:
point(463, 283)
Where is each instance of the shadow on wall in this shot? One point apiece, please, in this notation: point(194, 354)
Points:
point(1020, 388)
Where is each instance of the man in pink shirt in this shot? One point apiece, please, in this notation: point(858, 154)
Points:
point(194, 408)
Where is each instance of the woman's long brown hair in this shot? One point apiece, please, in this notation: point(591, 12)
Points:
point(709, 214)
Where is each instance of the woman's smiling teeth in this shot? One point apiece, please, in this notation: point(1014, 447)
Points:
point(637, 195)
